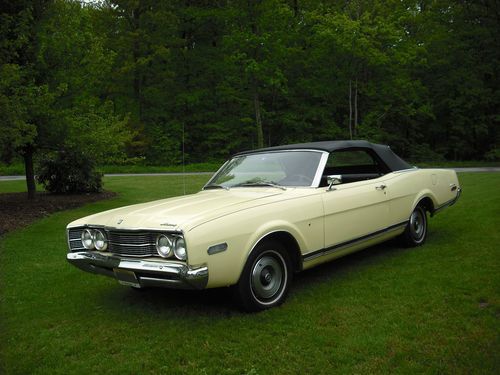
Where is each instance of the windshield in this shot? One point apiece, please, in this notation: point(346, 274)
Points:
point(287, 168)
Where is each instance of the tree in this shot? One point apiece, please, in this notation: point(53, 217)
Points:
point(24, 98)
point(49, 89)
point(198, 80)
point(256, 44)
point(462, 75)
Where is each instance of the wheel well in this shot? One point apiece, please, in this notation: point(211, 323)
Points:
point(427, 204)
point(291, 246)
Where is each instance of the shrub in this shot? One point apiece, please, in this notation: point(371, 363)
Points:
point(69, 171)
point(493, 154)
point(424, 153)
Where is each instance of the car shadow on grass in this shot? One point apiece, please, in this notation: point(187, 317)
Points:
point(209, 302)
point(377, 254)
point(349, 262)
point(219, 302)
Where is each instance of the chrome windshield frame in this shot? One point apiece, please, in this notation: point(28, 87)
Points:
point(317, 176)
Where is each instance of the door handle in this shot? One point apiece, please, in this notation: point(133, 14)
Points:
point(381, 187)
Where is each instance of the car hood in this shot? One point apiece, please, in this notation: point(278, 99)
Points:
point(182, 213)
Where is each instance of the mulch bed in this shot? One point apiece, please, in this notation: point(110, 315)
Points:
point(16, 211)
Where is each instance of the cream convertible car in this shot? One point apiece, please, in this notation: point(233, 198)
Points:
point(263, 216)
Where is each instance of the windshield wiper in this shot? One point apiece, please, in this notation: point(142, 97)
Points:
point(215, 186)
point(261, 183)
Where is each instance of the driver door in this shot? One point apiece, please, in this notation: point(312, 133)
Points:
point(358, 207)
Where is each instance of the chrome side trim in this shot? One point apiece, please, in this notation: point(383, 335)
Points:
point(406, 170)
point(356, 241)
point(451, 202)
point(215, 174)
point(126, 229)
point(131, 244)
point(319, 171)
point(148, 272)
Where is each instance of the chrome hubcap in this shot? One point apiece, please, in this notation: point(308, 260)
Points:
point(268, 274)
point(417, 224)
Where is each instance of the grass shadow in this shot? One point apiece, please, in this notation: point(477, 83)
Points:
point(327, 271)
point(187, 303)
point(219, 302)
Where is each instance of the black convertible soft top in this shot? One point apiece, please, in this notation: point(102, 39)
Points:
point(384, 152)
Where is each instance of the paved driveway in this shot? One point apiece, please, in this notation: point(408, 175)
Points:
point(13, 178)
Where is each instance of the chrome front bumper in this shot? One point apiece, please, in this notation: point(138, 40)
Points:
point(139, 272)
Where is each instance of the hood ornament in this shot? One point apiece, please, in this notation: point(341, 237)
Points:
point(168, 225)
point(120, 221)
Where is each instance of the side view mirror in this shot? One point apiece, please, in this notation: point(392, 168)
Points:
point(334, 179)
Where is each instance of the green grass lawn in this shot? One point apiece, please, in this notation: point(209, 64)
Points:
point(433, 309)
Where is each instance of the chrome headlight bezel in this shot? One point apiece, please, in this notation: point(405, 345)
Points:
point(165, 250)
point(100, 240)
point(180, 250)
point(87, 238)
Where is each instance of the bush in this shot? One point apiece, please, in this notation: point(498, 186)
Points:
point(493, 155)
point(424, 153)
point(69, 171)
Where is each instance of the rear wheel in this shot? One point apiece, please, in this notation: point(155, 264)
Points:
point(265, 279)
point(416, 230)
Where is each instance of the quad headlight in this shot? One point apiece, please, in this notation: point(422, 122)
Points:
point(94, 239)
point(164, 245)
point(100, 241)
point(168, 246)
point(87, 239)
point(180, 248)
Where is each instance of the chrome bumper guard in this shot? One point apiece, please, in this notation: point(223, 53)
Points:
point(141, 273)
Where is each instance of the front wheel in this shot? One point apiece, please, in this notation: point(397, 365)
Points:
point(416, 230)
point(265, 279)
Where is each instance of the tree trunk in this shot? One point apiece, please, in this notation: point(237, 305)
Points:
point(136, 54)
point(30, 173)
point(253, 80)
point(137, 83)
point(355, 108)
point(258, 119)
point(295, 8)
point(350, 109)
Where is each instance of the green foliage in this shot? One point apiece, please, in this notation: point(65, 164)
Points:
point(25, 106)
point(52, 79)
point(424, 153)
point(145, 80)
point(94, 128)
point(493, 155)
point(69, 171)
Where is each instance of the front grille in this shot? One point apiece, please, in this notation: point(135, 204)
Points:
point(137, 251)
point(131, 238)
point(128, 243)
point(75, 239)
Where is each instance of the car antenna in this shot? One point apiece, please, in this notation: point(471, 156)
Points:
point(183, 163)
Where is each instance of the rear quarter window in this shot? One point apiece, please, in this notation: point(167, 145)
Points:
point(350, 158)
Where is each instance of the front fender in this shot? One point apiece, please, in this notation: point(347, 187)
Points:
point(273, 227)
point(242, 231)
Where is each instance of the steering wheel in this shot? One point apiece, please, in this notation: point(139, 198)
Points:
point(300, 178)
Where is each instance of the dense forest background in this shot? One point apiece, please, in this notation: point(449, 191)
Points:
point(136, 81)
